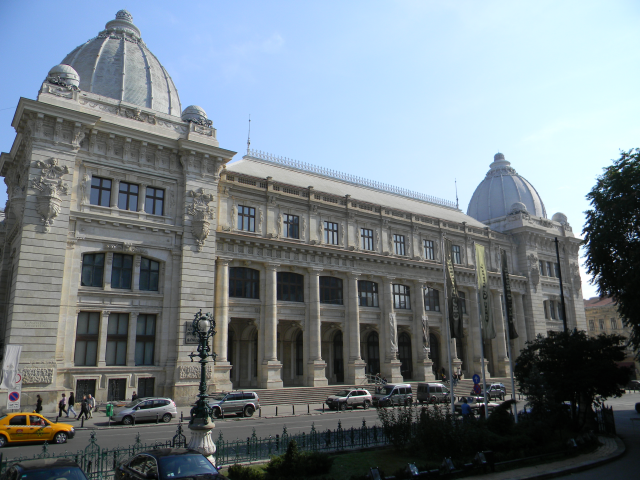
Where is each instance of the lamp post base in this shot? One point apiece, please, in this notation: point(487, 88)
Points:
point(201, 439)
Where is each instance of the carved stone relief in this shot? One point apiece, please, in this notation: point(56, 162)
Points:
point(201, 213)
point(51, 187)
point(186, 372)
point(37, 375)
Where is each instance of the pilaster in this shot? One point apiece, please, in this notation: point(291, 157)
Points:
point(315, 365)
point(355, 366)
point(222, 367)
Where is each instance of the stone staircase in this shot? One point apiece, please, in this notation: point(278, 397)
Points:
point(316, 395)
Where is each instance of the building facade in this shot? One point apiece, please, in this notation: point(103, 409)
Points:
point(125, 217)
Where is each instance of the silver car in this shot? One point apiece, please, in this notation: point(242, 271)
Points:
point(146, 409)
point(239, 403)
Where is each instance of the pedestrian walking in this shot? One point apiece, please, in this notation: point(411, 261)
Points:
point(72, 402)
point(38, 404)
point(84, 408)
point(92, 405)
point(134, 396)
point(466, 409)
point(62, 405)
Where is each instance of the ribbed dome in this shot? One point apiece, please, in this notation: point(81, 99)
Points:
point(500, 189)
point(117, 64)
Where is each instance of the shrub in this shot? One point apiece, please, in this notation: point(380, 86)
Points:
point(296, 464)
point(239, 472)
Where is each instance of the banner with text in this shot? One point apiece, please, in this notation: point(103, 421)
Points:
point(455, 315)
point(486, 315)
point(508, 299)
point(10, 377)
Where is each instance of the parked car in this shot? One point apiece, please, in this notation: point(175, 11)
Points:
point(168, 464)
point(432, 393)
point(239, 403)
point(474, 402)
point(495, 390)
point(393, 394)
point(32, 427)
point(349, 399)
point(44, 469)
point(146, 409)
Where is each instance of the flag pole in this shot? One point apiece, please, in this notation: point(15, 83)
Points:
point(446, 325)
point(507, 326)
point(484, 375)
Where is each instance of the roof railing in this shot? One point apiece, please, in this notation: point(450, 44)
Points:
point(385, 187)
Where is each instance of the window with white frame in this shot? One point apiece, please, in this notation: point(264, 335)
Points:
point(431, 300)
point(429, 251)
point(330, 233)
point(401, 297)
point(246, 218)
point(366, 236)
point(456, 254)
point(399, 244)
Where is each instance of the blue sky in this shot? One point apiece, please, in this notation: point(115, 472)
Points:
point(412, 93)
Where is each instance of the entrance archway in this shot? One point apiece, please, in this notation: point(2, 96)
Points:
point(404, 354)
point(338, 359)
point(373, 353)
point(434, 355)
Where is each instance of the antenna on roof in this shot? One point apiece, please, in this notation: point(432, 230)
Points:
point(249, 136)
point(455, 180)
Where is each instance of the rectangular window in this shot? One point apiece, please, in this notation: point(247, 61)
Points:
point(542, 269)
point(145, 339)
point(121, 271)
point(556, 270)
point(149, 275)
point(456, 256)
point(117, 331)
point(291, 226)
point(431, 300)
point(546, 310)
point(244, 282)
point(290, 287)
point(146, 387)
point(100, 191)
point(399, 245)
point(154, 201)
point(246, 218)
point(331, 290)
point(614, 324)
point(462, 302)
point(552, 309)
point(366, 235)
point(429, 252)
point(560, 312)
point(601, 324)
point(92, 269)
point(368, 293)
point(401, 297)
point(592, 325)
point(549, 269)
point(87, 334)
point(330, 233)
point(128, 196)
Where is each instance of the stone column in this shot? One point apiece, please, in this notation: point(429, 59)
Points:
point(390, 365)
point(475, 338)
point(222, 368)
point(423, 365)
point(271, 369)
point(115, 192)
point(356, 366)
point(102, 341)
point(131, 339)
point(135, 281)
point(142, 195)
point(500, 344)
point(315, 365)
point(108, 266)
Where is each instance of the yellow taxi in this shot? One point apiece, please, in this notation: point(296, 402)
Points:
point(32, 427)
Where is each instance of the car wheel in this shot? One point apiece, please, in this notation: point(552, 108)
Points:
point(366, 404)
point(343, 406)
point(433, 400)
point(166, 418)
point(248, 411)
point(127, 420)
point(216, 413)
point(60, 437)
point(3, 441)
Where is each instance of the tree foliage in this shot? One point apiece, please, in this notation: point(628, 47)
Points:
point(612, 237)
point(571, 367)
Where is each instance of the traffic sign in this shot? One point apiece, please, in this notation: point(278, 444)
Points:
point(477, 389)
point(13, 399)
point(476, 379)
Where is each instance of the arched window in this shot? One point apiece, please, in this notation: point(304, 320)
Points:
point(331, 290)
point(299, 354)
point(338, 362)
point(290, 287)
point(373, 353)
point(244, 282)
point(404, 354)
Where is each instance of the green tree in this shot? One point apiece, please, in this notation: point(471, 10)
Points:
point(612, 237)
point(571, 367)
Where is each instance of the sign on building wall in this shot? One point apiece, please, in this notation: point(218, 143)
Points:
point(189, 337)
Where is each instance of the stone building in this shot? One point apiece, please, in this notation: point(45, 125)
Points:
point(125, 218)
point(602, 317)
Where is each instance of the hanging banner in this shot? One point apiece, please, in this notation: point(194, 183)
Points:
point(10, 377)
point(488, 328)
point(455, 315)
point(506, 285)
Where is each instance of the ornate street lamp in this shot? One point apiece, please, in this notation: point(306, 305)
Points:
point(200, 423)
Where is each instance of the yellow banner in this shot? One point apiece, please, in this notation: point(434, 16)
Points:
point(486, 317)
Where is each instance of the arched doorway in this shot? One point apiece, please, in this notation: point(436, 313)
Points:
point(338, 362)
point(299, 355)
point(373, 353)
point(404, 354)
point(434, 355)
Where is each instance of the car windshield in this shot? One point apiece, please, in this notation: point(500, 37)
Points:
point(342, 393)
point(387, 390)
point(179, 466)
point(134, 403)
point(217, 396)
point(68, 473)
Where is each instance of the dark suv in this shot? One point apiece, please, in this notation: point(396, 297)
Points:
point(44, 469)
point(239, 403)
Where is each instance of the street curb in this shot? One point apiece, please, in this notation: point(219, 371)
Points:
point(620, 450)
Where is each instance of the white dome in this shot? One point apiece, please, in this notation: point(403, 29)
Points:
point(64, 74)
point(117, 64)
point(500, 190)
point(560, 218)
point(196, 114)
